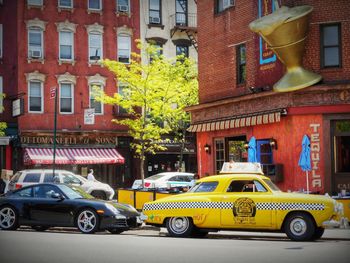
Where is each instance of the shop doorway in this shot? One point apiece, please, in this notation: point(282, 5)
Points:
point(340, 132)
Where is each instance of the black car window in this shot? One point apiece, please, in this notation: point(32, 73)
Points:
point(174, 179)
point(44, 191)
point(50, 178)
point(23, 193)
point(31, 178)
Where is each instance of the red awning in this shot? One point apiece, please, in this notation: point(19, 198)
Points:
point(72, 156)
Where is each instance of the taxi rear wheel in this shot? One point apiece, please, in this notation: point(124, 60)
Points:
point(299, 227)
point(318, 233)
point(179, 226)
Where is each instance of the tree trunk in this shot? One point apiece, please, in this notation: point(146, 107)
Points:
point(142, 170)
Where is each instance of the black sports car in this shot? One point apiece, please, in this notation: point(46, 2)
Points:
point(42, 206)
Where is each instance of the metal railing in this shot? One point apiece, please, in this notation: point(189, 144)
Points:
point(183, 20)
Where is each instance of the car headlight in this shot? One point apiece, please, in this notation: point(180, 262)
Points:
point(112, 209)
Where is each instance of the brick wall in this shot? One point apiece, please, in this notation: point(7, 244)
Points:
point(219, 33)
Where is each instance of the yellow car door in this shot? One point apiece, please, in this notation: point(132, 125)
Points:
point(248, 199)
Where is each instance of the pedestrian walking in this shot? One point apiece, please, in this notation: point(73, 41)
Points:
point(90, 175)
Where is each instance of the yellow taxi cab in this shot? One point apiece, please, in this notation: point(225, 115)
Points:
point(242, 198)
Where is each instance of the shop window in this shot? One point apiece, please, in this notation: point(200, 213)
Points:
point(330, 45)
point(66, 98)
point(219, 154)
point(264, 152)
point(342, 147)
point(155, 13)
point(241, 64)
point(35, 97)
point(123, 6)
point(124, 48)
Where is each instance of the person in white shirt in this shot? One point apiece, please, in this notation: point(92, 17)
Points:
point(90, 175)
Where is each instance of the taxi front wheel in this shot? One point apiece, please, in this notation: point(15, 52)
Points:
point(299, 227)
point(179, 226)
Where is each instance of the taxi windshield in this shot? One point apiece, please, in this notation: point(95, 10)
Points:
point(204, 187)
point(272, 186)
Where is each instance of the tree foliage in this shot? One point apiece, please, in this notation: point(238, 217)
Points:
point(155, 96)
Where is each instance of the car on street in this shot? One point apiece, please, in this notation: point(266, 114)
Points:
point(165, 180)
point(46, 205)
point(35, 176)
point(243, 199)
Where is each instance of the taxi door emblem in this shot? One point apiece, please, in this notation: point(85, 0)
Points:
point(244, 207)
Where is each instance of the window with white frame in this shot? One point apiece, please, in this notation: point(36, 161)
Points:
point(66, 96)
point(97, 105)
point(35, 2)
point(124, 48)
point(1, 95)
point(123, 6)
point(65, 3)
point(1, 45)
point(95, 46)
point(35, 93)
point(95, 5)
point(66, 48)
point(123, 91)
point(35, 43)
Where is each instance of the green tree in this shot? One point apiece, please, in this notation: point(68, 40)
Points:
point(154, 96)
point(3, 125)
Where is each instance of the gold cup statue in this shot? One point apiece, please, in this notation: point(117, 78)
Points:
point(285, 32)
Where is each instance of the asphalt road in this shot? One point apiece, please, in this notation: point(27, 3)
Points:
point(143, 246)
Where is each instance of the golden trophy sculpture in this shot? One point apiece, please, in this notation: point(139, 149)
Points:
point(285, 32)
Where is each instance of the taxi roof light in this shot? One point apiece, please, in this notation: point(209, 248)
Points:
point(241, 167)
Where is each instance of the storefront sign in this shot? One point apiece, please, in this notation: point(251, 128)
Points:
point(69, 139)
point(315, 155)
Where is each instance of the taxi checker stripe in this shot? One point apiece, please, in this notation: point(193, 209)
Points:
point(289, 206)
point(227, 205)
point(181, 205)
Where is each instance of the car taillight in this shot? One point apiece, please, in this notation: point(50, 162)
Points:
point(147, 184)
point(18, 186)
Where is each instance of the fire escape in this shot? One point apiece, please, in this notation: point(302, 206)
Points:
point(185, 22)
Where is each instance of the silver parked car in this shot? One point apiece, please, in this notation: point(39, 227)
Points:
point(36, 176)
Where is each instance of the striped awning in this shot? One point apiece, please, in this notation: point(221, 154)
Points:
point(72, 156)
point(236, 122)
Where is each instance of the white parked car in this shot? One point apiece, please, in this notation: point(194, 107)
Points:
point(166, 180)
point(36, 176)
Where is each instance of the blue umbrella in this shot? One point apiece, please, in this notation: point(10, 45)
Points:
point(252, 150)
point(305, 159)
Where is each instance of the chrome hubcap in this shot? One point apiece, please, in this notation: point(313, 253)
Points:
point(298, 226)
point(179, 225)
point(7, 217)
point(86, 221)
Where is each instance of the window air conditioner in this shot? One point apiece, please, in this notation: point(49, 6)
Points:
point(123, 8)
point(154, 20)
point(35, 53)
point(228, 3)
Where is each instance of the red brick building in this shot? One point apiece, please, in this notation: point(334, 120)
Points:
point(8, 77)
point(59, 46)
point(236, 75)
